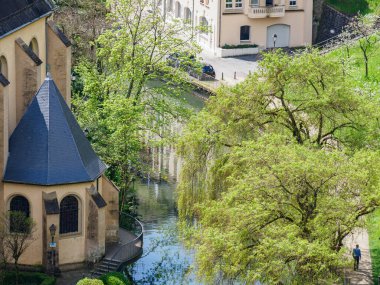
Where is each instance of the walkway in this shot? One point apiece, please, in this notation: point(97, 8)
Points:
point(364, 275)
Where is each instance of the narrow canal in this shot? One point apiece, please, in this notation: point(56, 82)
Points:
point(165, 259)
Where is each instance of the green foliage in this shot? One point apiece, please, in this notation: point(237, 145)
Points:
point(29, 278)
point(374, 243)
point(114, 278)
point(226, 46)
point(88, 281)
point(126, 99)
point(278, 171)
point(354, 6)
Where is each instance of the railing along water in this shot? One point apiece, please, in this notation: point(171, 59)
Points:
point(133, 248)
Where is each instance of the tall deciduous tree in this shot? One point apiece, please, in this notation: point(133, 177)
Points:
point(132, 90)
point(273, 173)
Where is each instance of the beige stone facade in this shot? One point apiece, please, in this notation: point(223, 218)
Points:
point(26, 54)
point(236, 22)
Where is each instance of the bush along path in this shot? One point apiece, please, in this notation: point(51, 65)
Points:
point(363, 276)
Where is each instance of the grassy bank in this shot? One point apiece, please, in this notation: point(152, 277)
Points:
point(374, 243)
point(356, 58)
point(352, 7)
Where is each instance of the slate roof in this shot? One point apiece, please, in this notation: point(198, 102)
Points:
point(15, 14)
point(48, 147)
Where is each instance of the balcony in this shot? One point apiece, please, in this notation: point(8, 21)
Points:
point(255, 12)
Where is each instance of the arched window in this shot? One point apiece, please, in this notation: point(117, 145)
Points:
point(34, 46)
point(19, 204)
point(178, 9)
point(4, 66)
point(245, 33)
point(204, 25)
point(187, 14)
point(69, 215)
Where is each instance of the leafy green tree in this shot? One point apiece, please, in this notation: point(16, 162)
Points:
point(127, 98)
point(278, 171)
point(82, 21)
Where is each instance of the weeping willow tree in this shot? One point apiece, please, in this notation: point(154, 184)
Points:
point(278, 171)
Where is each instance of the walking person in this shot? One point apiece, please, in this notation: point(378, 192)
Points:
point(357, 255)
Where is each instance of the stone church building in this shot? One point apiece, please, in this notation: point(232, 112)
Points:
point(49, 169)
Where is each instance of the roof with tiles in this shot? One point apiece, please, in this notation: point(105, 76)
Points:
point(14, 14)
point(48, 147)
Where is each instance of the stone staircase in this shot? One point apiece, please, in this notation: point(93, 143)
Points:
point(105, 266)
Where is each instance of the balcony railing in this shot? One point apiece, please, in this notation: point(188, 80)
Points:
point(266, 12)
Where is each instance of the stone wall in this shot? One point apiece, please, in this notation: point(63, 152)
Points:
point(317, 13)
point(111, 196)
point(27, 70)
point(331, 24)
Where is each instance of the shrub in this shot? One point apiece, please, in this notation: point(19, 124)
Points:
point(239, 46)
point(88, 281)
point(28, 278)
point(115, 278)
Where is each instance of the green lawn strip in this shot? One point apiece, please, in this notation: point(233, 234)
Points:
point(374, 243)
point(352, 7)
point(358, 62)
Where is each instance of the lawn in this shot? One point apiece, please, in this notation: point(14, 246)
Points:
point(374, 243)
point(354, 6)
point(373, 80)
point(357, 60)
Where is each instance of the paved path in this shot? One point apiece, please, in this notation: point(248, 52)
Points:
point(364, 275)
point(242, 65)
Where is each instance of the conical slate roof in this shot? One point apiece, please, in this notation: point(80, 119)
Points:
point(48, 147)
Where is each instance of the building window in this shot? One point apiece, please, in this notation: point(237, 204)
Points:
point(238, 3)
point(19, 204)
point(69, 212)
point(292, 2)
point(204, 25)
point(178, 9)
point(244, 33)
point(3, 66)
point(228, 4)
point(254, 2)
point(187, 15)
point(34, 46)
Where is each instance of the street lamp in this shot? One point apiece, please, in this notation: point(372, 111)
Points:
point(274, 40)
point(52, 230)
point(52, 254)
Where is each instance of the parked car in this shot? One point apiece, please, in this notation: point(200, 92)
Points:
point(203, 71)
point(199, 70)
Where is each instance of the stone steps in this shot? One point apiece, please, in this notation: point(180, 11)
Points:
point(105, 266)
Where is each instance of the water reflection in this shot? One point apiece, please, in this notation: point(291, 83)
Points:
point(165, 260)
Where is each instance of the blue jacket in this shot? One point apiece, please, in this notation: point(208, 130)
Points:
point(356, 252)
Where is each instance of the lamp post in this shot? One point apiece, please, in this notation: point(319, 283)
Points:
point(274, 40)
point(53, 229)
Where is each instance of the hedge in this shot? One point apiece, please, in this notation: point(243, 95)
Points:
point(28, 278)
point(88, 281)
point(114, 278)
point(226, 46)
